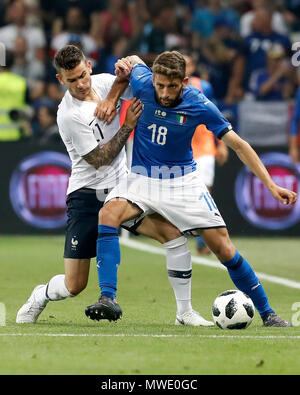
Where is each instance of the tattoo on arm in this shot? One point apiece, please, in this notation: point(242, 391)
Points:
point(105, 155)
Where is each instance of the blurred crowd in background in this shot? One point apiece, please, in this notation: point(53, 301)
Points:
point(242, 47)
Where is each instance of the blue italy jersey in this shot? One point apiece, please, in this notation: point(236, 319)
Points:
point(162, 139)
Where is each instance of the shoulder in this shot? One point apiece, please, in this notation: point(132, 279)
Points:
point(280, 36)
point(102, 83)
point(35, 30)
point(8, 29)
point(140, 79)
point(103, 78)
point(8, 32)
point(140, 71)
point(192, 95)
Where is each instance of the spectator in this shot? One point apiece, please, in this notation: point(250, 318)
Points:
point(293, 6)
point(259, 43)
point(152, 40)
point(58, 9)
point(278, 22)
point(113, 23)
point(53, 89)
point(289, 9)
point(190, 4)
point(18, 27)
point(74, 34)
point(33, 16)
point(203, 21)
point(118, 51)
point(14, 124)
point(33, 71)
point(271, 84)
point(223, 55)
point(48, 130)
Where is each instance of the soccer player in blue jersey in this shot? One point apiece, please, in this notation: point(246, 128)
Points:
point(164, 179)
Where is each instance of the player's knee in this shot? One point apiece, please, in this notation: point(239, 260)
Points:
point(75, 288)
point(109, 216)
point(167, 234)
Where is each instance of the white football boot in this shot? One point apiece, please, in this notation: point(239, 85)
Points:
point(30, 311)
point(192, 318)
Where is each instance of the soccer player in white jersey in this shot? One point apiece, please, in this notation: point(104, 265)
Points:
point(96, 149)
point(164, 177)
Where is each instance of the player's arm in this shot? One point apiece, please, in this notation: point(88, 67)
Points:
point(106, 110)
point(103, 156)
point(249, 157)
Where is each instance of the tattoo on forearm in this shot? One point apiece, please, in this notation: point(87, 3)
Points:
point(103, 156)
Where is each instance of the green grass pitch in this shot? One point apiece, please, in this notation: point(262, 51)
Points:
point(145, 341)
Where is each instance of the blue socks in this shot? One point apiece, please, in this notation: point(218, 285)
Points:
point(245, 280)
point(108, 259)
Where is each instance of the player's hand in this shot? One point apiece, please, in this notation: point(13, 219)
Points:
point(134, 111)
point(285, 196)
point(106, 110)
point(123, 67)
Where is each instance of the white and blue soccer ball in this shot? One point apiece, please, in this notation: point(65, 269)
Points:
point(233, 309)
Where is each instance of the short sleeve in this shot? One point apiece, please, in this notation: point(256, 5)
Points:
point(214, 120)
point(140, 77)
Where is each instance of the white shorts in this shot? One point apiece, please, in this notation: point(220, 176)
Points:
point(183, 201)
point(206, 167)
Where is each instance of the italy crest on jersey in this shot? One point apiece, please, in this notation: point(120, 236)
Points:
point(181, 118)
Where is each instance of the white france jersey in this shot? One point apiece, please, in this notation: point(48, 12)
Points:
point(81, 132)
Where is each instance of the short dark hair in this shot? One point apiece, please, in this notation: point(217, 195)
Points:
point(68, 57)
point(171, 64)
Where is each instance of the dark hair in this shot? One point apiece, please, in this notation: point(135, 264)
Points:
point(171, 64)
point(68, 57)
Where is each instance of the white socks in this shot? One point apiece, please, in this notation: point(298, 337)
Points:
point(55, 290)
point(179, 267)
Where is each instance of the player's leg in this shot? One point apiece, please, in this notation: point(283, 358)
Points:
point(179, 266)
point(241, 273)
point(111, 216)
point(80, 246)
point(59, 287)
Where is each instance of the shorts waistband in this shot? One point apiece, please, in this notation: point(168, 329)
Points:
point(86, 190)
point(91, 191)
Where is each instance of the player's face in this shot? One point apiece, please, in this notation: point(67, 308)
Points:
point(168, 90)
point(78, 80)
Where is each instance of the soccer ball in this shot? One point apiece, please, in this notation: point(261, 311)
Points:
point(233, 309)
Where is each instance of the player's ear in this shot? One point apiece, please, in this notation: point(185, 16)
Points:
point(185, 82)
point(59, 77)
point(89, 65)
